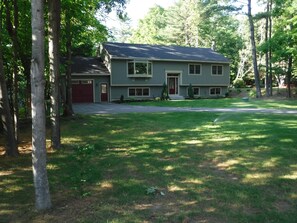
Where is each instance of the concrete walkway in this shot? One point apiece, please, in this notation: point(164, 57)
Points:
point(112, 108)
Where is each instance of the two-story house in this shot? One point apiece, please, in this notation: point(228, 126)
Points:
point(140, 71)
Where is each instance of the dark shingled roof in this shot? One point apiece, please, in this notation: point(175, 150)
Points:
point(88, 65)
point(159, 52)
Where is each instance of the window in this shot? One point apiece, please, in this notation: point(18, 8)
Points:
point(139, 68)
point(194, 69)
point(86, 82)
point(75, 81)
point(196, 91)
point(138, 92)
point(215, 91)
point(217, 70)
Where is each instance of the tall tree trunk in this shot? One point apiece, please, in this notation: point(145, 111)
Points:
point(12, 27)
point(270, 49)
point(54, 64)
point(42, 194)
point(6, 118)
point(289, 76)
point(68, 110)
point(267, 58)
point(12, 24)
point(254, 52)
point(15, 71)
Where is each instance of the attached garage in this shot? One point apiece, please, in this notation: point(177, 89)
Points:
point(90, 80)
point(82, 91)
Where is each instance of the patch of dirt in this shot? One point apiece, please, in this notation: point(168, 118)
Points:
point(282, 206)
point(24, 147)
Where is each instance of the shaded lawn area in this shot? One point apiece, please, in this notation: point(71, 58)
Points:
point(224, 103)
point(166, 167)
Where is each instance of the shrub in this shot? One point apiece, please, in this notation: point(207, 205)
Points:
point(164, 94)
point(190, 92)
point(122, 99)
point(239, 83)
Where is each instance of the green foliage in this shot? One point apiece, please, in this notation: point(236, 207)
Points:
point(122, 99)
point(190, 92)
point(164, 93)
point(239, 83)
point(192, 23)
point(150, 29)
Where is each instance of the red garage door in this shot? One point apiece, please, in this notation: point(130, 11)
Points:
point(82, 91)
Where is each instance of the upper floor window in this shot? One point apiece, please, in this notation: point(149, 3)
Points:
point(194, 69)
point(217, 70)
point(139, 68)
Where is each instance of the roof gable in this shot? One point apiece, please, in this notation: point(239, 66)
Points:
point(160, 52)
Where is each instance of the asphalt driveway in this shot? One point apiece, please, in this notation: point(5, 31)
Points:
point(113, 108)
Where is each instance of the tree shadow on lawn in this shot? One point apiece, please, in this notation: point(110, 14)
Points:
point(230, 171)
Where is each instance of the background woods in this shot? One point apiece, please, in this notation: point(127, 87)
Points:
point(259, 37)
point(72, 17)
point(30, 82)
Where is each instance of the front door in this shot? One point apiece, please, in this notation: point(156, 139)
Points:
point(104, 94)
point(172, 85)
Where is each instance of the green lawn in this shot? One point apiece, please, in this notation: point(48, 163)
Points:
point(224, 103)
point(165, 167)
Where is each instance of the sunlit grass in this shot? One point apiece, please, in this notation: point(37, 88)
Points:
point(240, 169)
point(224, 103)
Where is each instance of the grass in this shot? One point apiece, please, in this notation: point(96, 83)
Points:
point(224, 103)
point(165, 167)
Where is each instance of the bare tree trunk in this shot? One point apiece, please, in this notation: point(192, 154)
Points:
point(254, 52)
point(289, 76)
point(54, 64)
point(42, 194)
point(267, 84)
point(68, 110)
point(270, 49)
point(6, 118)
point(12, 24)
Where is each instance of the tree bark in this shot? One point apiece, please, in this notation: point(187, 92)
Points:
point(42, 194)
point(267, 58)
point(270, 49)
point(254, 52)
point(12, 24)
point(68, 110)
point(6, 118)
point(12, 28)
point(289, 76)
point(54, 65)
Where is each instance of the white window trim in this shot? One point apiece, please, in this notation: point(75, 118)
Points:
point(134, 64)
point(215, 88)
point(217, 65)
point(142, 92)
point(195, 65)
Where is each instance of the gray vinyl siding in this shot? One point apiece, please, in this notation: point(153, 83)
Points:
point(119, 75)
point(155, 92)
